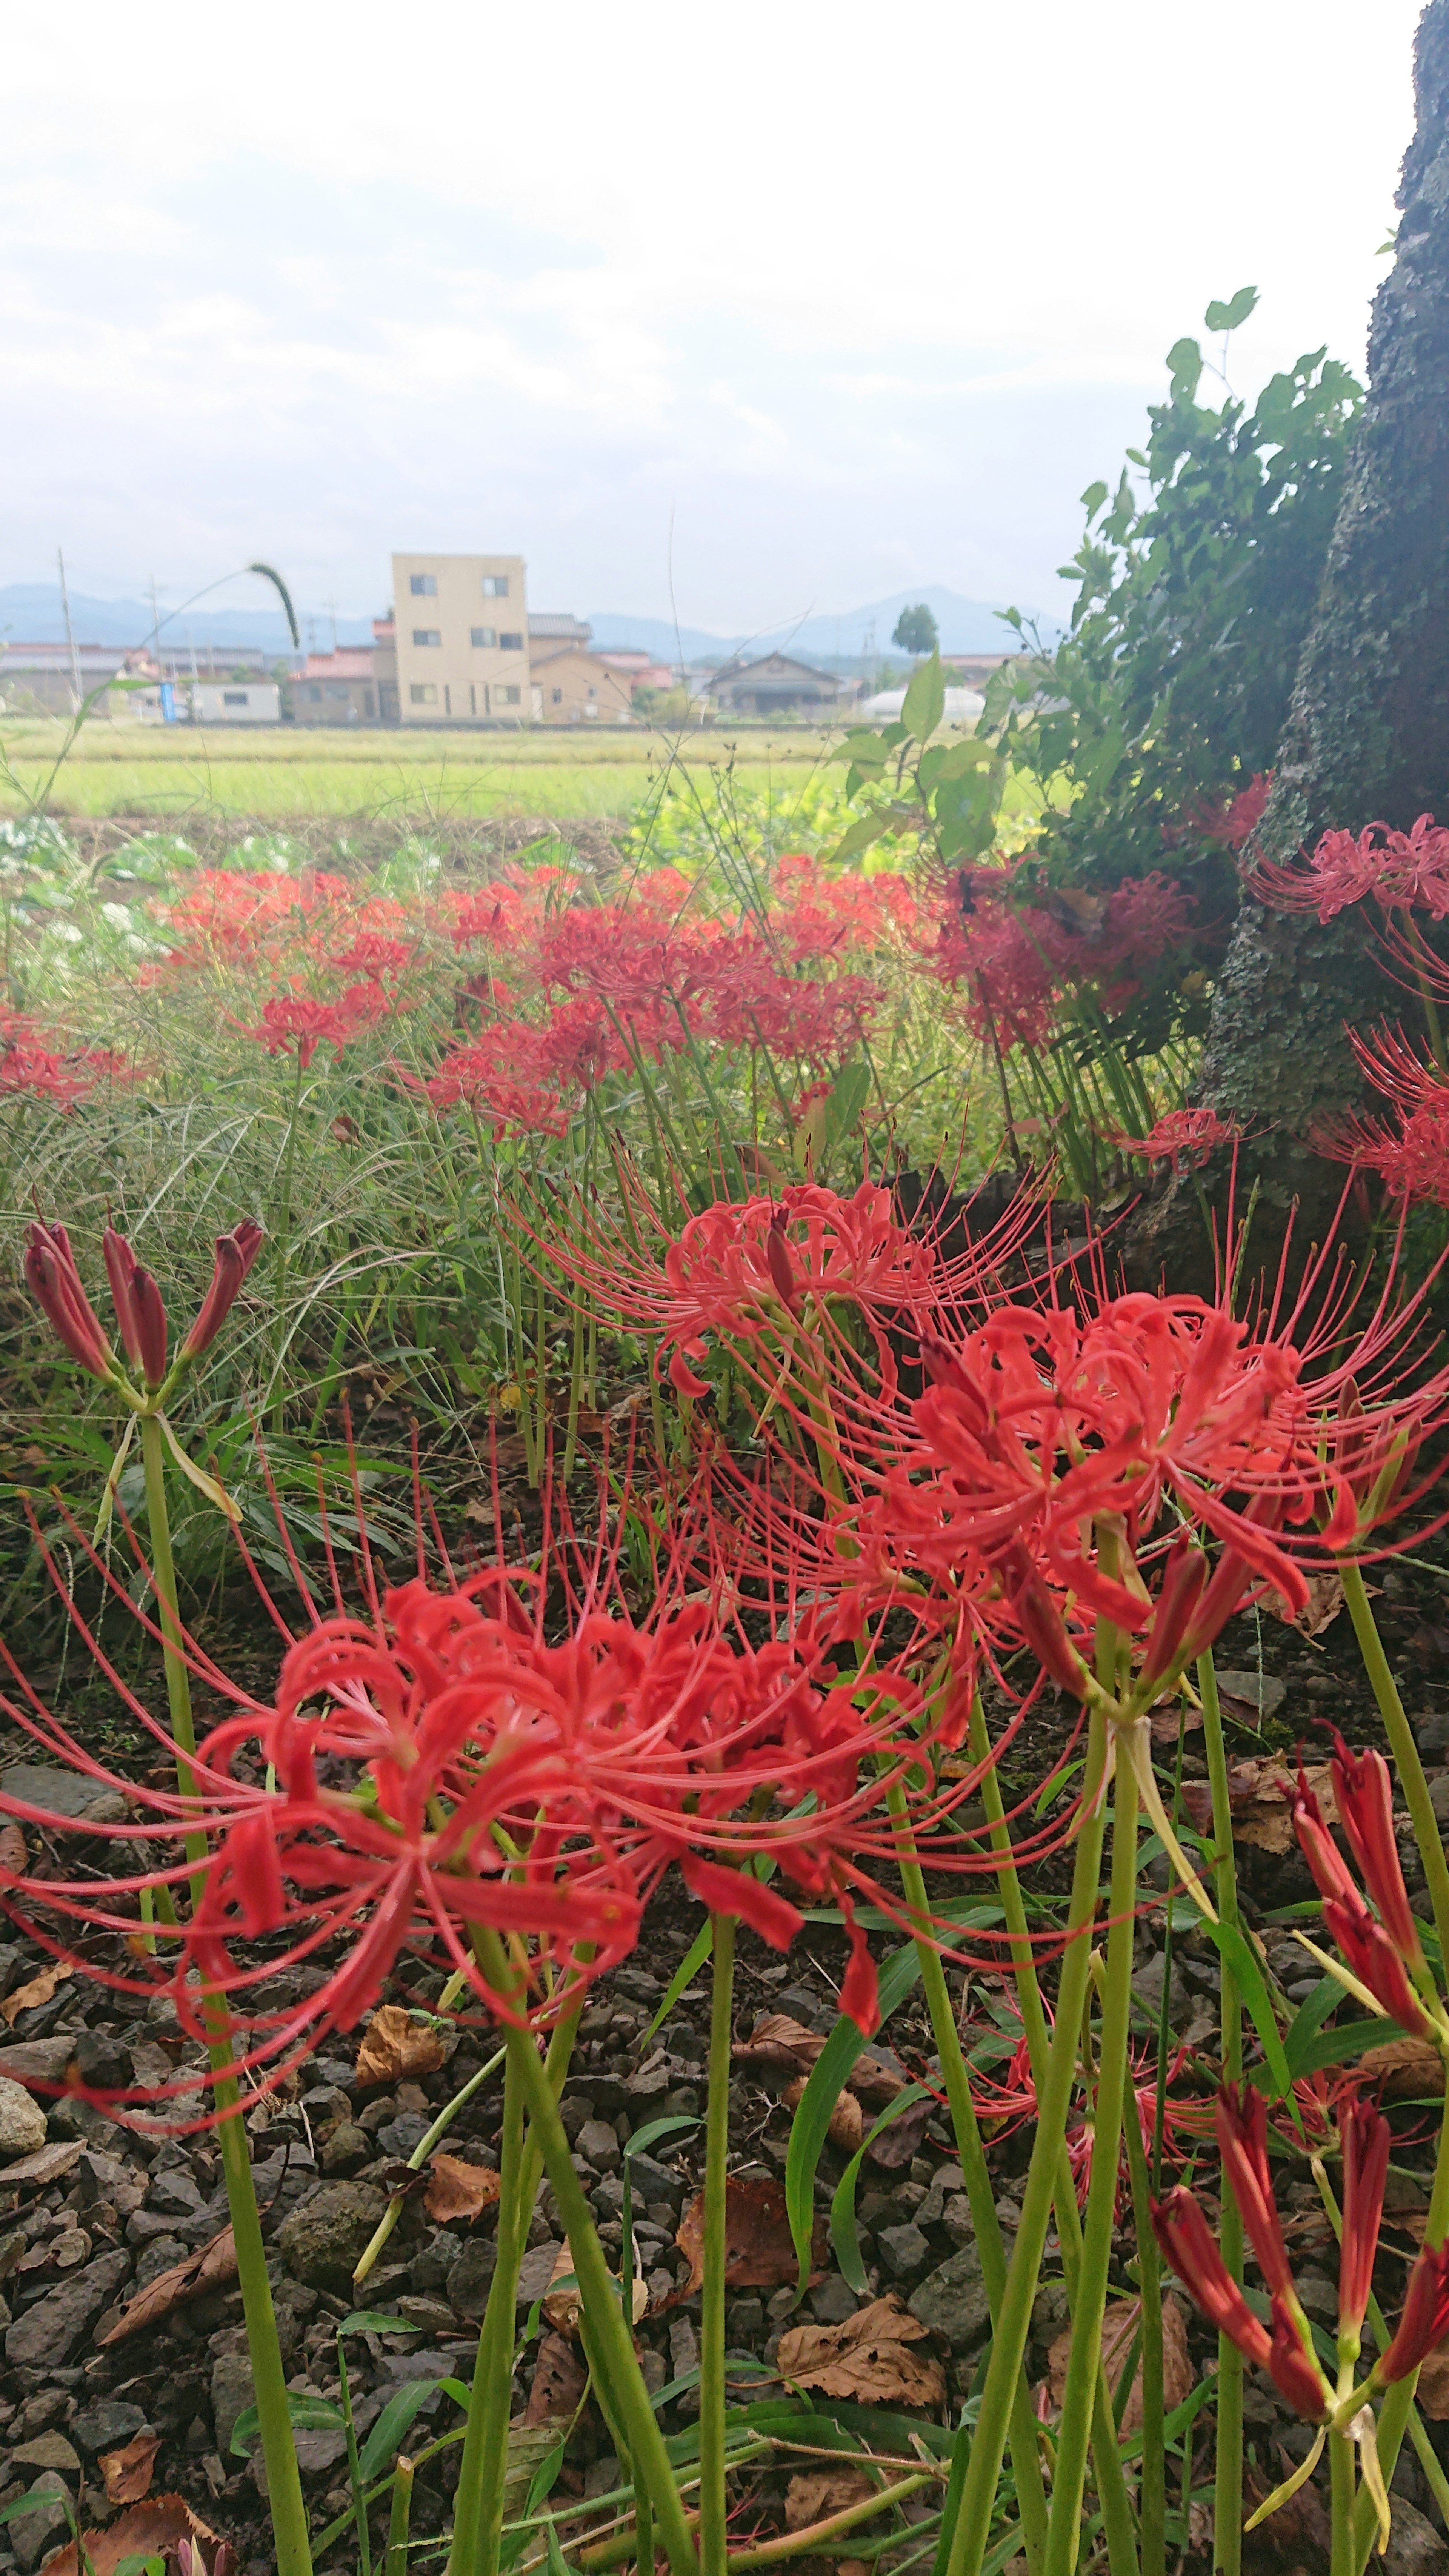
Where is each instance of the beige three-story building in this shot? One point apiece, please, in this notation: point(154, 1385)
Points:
point(461, 639)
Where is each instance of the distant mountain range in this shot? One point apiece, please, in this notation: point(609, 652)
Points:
point(30, 613)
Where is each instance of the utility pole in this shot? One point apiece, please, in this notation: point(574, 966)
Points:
point(76, 692)
point(155, 626)
point(331, 606)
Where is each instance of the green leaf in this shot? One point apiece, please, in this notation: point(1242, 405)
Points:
point(1184, 366)
point(652, 2129)
point(30, 2502)
point(844, 1102)
point(392, 2423)
point(1093, 498)
point(925, 699)
point(1234, 1950)
point(688, 1968)
point(1232, 315)
point(843, 2234)
point(1307, 2022)
point(863, 833)
point(306, 2414)
point(1340, 2047)
point(370, 2321)
point(558, 2565)
point(864, 747)
point(812, 2115)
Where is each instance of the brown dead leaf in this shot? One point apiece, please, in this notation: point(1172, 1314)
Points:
point(213, 2268)
point(1432, 2393)
point(759, 2249)
point(394, 2046)
point(1119, 2331)
point(1169, 1715)
point(1260, 1796)
point(1298, 2535)
point(868, 2358)
point(459, 2190)
point(13, 1855)
point(147, 2531)
point(847, 2120)
point(1405, 2068)
point(128, 2473)
point(1325, 1600)
point(815, 2494)
point(559, 2381)
point(36, 1990)
point(562, 2308)
point(781, 2046)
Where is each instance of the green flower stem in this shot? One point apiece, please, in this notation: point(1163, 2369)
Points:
point(416, 2162)
point(399, 2521)
point(269, 2379)
point(713, 2519)
point(1402, 1746)
point(1090, 2303)
point(1152, 2493)
point(1106, 2450)
point(1228, 2470)
point(612, 2337)
point(1008, 2346)
point(1025, 2451)
point(1340, 2498)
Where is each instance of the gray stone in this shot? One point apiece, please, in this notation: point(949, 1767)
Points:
point(31, 2534)
point(174, 2192)
point(40, 2061)
point(952, 2300)
point(833, 2300)
point(346, 2145)
point(1050, 2311)
point(104, 2062)
point(1147, 1987)
point(47, 2451)
point(470, 2277)
point(106, 2424)
point(1415, 2547)
point(650, 2181)
point(429, 2270)
point(232, 2393)
point(1432, 1731)
point(48, 2334)
point(904, 2251)
point(400, 2136)
point(62, 1793)
point(1439, 1797)
point(536, 2271)
point(945, 2184)
point(161, 2255)
point(958, 2222)
point(430, 2316)
point(1318, 2296)
point(1262, 1691)
point(599, 2147)
point(22, 2122)
point(321, 2242)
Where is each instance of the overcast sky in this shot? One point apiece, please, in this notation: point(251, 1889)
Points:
point(787, 306)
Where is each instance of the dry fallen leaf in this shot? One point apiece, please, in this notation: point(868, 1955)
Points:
point(847, 2120)
point(815, 2494)
point(868, 2358)
point(394, 2046)
point(1173, 1714)
point(128, 2472)
point(36, 1990)
point(759, 2249)
point(1432, 2393)
point(147, 2531)
point(459, 2190)
point(785, 2047)
point(1260, 1796)
point(1325, 1600)
point(13, 1855)
point(213, 2268)
point(1119, 2332)
point(559, 2381)
point(1403, 2069)
point(562, 2308)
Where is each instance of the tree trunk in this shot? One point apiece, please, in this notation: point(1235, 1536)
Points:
point(1367, 736)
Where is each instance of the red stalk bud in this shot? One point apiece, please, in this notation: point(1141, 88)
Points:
point(1182, 1587)
point(1294, 2369)
point(1044, 1631)
point(1365, 2171)
point(120, 1263)
point(1190, 2247)
point(1377, 1964)
point(1425, 2318)
point(1230, 1580)
point(235, 1253)
point(1319, 1849)
point(1365, 1795)
point(777, 1258)
point(1241, 2123)
point(54, 1283)
point(150, 1317)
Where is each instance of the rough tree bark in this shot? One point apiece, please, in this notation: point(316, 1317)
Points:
point(1367, 736)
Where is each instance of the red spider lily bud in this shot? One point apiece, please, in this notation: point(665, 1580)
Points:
point(235, 1253)
point(150, 1315)
point(54, 1283)
point(777, 1257)
point(1330, 1873)
point(1241, 2123)
point(1044, 1631)
point(1425, 2317)
point(1294, 2370)
point(1377, 1964)
point(1183, 1580)
point(1365, 2171)
point(859, 1991)
point(733, 1891)
point(120, 1263)
point(1190, 2246)
point(1365, 1795)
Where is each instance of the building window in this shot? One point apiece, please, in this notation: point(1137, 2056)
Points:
point(558, 697)
point(424, 693)
point(483, 638)
point(423, 585)
point(235, 698)
point(315, 694)
point(367, 702)
point(427, 635)
point(508, 697)
point(338, 689)
point(510, 643)
point(495, 585)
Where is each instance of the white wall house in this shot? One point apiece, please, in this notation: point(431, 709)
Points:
point(223, 702)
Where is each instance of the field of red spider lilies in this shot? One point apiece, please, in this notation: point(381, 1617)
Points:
point(661, 1910)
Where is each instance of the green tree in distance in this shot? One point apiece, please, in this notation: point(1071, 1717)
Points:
point(916, 630)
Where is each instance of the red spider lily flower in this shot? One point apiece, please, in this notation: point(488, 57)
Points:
point(777, 1258)
point(1412, 1163)
point(1191, 2248)
point(30, 1063)
point(1230, 825)
point(1016, 957)
point(1365, 2136)
point(1399, 869)
point(1371, 1949)
point(1425, 2318)
point(1364, 1794)
point(1376, 1963)
point(1186, 1138)
point(235, 1254)
point(1241, 2124)
point(54, 1282)
point(296, 1023)
point(735, 1892)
